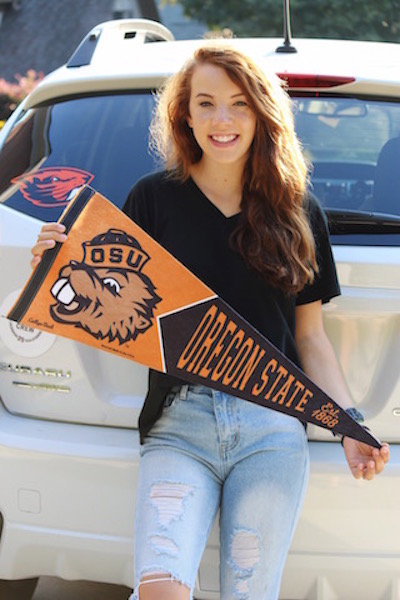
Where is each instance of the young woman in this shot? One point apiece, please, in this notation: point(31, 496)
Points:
point(232, 206)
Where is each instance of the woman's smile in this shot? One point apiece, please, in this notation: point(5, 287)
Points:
point(224, 139)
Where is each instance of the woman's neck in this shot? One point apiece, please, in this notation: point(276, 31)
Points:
point(221, 185)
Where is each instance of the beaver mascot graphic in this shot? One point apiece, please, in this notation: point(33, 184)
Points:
point(106, 294)
point(51, 187)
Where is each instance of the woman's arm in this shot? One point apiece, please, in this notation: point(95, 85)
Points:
point(319, 362)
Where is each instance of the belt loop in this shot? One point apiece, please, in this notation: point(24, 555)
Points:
point(183, 392)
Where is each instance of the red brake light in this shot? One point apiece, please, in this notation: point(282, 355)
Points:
point(295, 80)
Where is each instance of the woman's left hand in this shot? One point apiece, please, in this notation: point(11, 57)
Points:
point(365, 461)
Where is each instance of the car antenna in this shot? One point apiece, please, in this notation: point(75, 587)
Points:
point(287, 42)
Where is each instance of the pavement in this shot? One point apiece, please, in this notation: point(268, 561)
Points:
point(52, 588)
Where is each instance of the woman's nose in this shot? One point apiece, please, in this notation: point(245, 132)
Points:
point(222, 114)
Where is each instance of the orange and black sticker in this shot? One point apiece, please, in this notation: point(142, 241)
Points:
point(112, 286)
point(52, 187)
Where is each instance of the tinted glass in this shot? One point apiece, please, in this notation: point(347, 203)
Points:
point(54, 149)
point(354, 146)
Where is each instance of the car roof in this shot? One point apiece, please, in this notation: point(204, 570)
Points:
point(117, 55)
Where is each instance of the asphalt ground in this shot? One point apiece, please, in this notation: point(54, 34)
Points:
point(52, 588)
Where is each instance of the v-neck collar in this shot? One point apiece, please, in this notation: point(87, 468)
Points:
point(211, 204)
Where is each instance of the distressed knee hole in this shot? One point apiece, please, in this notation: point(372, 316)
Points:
point(168, 498)
point(245, 550)
point(245, 556)
point(242, 588)
point(163, 545)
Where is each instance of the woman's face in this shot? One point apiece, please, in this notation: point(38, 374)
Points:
point(220, 116)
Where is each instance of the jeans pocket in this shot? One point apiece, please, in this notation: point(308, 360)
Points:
point(171, 399)
point(175, 395)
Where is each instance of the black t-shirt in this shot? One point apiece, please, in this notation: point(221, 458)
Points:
point(182, 219)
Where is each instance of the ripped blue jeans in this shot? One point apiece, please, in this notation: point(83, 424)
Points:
point(210, 451)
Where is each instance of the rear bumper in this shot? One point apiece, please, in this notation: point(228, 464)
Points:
point(347, 542)
point(67, 500)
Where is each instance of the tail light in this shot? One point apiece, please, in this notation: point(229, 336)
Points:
point(296, 81)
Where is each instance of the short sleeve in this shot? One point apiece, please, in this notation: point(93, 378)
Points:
point(325, 285)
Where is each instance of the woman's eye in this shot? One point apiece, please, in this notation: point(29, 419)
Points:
point(112, 285)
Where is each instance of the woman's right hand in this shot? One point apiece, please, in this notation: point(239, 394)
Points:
point(47, 238)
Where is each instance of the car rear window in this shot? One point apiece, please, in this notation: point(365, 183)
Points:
point(353, 145)
point(54, 148)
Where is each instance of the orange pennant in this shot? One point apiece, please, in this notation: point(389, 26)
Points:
point(112, 286)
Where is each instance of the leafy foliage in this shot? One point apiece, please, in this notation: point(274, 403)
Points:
point(358, 19)
point(11, 93)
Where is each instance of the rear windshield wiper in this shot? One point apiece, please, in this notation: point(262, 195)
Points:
point(342, 221)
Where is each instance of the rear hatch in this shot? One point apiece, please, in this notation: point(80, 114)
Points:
point(102, 140)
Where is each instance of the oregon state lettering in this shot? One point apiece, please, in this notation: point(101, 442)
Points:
point(220, 350)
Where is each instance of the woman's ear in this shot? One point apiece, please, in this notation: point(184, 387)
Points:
point(189, 121)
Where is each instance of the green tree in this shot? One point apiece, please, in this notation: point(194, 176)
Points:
point(358, 19)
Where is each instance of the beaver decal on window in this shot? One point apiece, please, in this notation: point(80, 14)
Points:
point(106, 294)
point(52, 187)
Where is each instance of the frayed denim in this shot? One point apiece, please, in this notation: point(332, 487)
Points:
point(210, 451)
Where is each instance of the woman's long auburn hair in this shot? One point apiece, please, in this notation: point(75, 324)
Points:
point(273, 234)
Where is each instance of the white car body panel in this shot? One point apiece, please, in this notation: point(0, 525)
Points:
point(69, 443)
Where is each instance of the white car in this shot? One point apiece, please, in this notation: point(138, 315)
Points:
point(68, 413)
